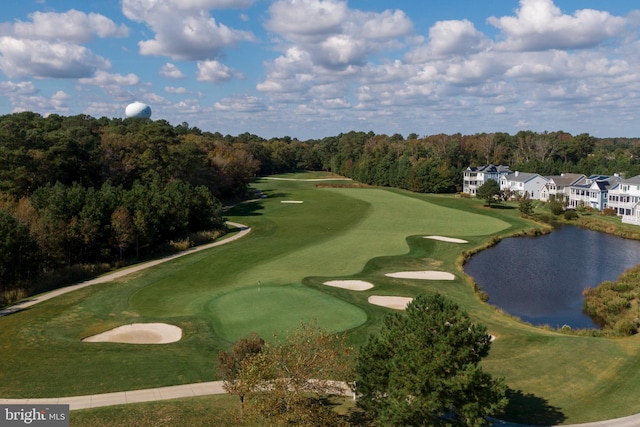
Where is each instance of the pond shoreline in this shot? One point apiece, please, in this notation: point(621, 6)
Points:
point(527, 311)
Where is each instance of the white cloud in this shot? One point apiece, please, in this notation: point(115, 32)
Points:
point(138, 10)
point(176, 90)
point(450, 38)
point(71, 26)
point(307, 20)
point(169, 70)
point(39, 58)
point(11, 89)
point(102, 78)
point(242, 104)
point(541, 25)
point(184, 30)
point(215, 72)
point(57, 103)
point(335, 36)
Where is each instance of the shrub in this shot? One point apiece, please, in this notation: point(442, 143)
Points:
point(556, 207)
point(570, 215)
point(609, 212)
point(626, 327)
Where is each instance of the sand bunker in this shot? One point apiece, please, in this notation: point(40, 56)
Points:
point(140, 333)
point(446, 239)
point(352, 285)
point(397, 303)
point(292, 201)
point(422, 275)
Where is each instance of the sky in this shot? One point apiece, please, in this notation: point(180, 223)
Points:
point(315, 68)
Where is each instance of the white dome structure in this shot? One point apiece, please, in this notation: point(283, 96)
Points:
point(138, 110)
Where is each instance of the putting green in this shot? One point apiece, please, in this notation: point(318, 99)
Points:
point(269, 310)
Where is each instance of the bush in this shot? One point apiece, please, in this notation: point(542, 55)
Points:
point(626, 327)
point(570, 215)
point(556, 207)
point(609, 212)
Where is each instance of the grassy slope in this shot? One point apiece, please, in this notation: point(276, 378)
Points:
point(335, 234)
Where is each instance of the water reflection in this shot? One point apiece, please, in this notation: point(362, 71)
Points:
point(541, 279)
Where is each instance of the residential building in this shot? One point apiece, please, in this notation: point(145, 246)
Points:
point(519, 183)
point(558, 185)
point(475, 176)
point(593, 192)
point(624, 198)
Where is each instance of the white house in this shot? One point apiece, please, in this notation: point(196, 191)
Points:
point(475, 176)
point(558, 185)
point(523, 182)
point(593, 193)
point(624, 197)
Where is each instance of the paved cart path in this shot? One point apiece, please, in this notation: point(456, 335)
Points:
point(244, 230)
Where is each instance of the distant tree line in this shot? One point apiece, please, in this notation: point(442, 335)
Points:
point(77, 190)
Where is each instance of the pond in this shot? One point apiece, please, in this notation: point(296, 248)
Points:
point(541, 279)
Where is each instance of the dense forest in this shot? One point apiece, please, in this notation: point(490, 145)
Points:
point(84, 191)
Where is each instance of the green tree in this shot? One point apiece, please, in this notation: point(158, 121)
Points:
point(122, 228)
point(556, 206)
point(230, 363)
point(422, 368)
point(488, 191)
point(526, 204)
point(19, 254)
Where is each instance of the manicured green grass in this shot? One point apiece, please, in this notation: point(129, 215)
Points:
point(208, 411)
point(337, 233)
point(268, 309)
point(205, 411)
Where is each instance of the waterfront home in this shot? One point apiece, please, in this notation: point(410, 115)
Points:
point(593, 192)
point(521, 183)
point(475, 176)
point(624, 198)
point(558, 185)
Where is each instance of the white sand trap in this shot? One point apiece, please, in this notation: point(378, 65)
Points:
point(446, 239)
point(422, 275)
point(139, 333)
point(352, 285)
point(292, 201)
point(397, 303)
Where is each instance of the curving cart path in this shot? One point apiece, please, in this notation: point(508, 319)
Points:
point(244, 230)
point(196, 389)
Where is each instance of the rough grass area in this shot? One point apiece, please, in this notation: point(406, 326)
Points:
point(336, 234)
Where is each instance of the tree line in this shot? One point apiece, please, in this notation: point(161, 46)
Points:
point(79, 192)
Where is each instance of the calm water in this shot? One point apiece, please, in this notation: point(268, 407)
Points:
point(541, 279)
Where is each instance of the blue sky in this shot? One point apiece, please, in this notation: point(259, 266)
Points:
point(316, 68)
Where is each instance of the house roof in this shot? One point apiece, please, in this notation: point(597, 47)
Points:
point(566, 179)
point(634, 180)
point(522, 176)
point(601, 182)
point(489, 168)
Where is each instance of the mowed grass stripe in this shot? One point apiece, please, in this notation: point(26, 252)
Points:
point(382, 231)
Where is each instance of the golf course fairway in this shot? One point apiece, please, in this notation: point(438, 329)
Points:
point(273, 278)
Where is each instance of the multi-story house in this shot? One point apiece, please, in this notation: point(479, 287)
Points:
point(475, 176)
point(519, 183)
point(558, 185)
point(624, 198)
point(593, 192)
